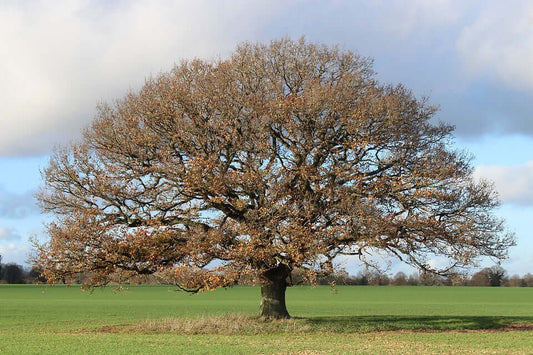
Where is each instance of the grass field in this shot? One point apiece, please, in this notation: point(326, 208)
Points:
point(347, 319)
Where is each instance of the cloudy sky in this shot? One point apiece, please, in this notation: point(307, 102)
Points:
point(58, 59)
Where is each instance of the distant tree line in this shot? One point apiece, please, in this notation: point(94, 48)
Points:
point(489, 276)
point(12, 273)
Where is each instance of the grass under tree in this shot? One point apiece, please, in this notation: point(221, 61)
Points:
point(346, 319)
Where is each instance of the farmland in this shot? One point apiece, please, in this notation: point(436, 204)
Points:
point(347, 319)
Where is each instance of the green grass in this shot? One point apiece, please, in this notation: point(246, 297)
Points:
point(348, 319)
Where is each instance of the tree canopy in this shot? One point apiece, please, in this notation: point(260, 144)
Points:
point(284, 155)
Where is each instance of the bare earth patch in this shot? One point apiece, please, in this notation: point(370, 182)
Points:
point(513, 327)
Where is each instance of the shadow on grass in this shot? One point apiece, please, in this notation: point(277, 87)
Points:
point(380, 323)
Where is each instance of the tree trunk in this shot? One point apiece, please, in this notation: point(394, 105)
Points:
point(273, 293)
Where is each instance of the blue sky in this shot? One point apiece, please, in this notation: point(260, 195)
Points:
point(59, 59)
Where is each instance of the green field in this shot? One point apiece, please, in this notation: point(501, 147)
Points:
point(347, 319)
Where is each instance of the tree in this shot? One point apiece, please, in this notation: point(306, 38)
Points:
point(456, 278)
point(400, 279)
point(497, 275)
point(284, 155)
point(13, 273)
point(413, 280)
point(376, 278)
point(429, 279)
point(480, 278)
point(528, 280)
point(515, 281)
point(34, 276)
point(489, 276)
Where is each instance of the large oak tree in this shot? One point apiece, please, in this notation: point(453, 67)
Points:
point(284, 155)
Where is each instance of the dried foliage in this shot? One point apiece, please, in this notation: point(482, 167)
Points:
point(229, 324)
point(287, 154)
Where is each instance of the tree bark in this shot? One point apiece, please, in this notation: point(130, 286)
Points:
point(273, 293)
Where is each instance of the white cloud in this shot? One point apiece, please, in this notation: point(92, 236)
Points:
point(499, 43)
point(9, 234)
point(402, 18)
point(58, 59)
point(513, 183)
point(16, 206)
point(14, 253)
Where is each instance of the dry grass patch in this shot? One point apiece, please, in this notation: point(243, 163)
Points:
point(220, 325)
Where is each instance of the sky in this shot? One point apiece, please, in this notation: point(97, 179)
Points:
point(59, 59)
